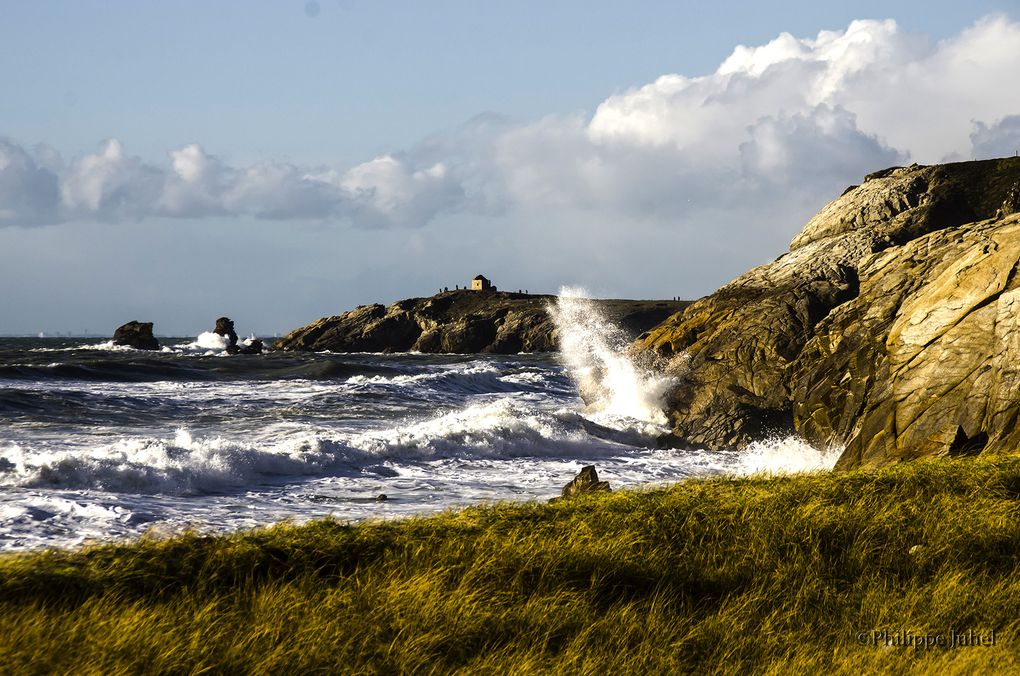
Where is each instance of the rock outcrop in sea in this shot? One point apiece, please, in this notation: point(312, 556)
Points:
point(137, 335)
point(891, 328)
point(462, 321)
point(225, 327)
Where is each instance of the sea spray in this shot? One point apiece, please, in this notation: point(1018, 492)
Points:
point(594, 349)
point(785, 455)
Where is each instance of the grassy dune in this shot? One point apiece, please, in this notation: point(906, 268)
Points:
point(773, 575)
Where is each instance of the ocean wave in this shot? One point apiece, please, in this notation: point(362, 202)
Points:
point(507, 427)
point(142, 369)
point(461, 380)
point(784, 455)
point(596, 352)
point(102, 346)
point(146, 465)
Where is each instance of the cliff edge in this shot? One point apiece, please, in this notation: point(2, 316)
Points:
point(891, 328)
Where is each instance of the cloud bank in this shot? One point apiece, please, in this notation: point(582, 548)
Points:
point(110, 185)
point(793, 119)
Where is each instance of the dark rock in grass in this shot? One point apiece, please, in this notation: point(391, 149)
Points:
point(225, 327)
point(586, 481)
point(137, 335)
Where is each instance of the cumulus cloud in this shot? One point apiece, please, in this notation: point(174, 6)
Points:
point(29, 190)
point(796, 118)
point(998, 139)
point(111, 185)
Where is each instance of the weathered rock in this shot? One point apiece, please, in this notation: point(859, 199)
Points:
point(586, 481)
point(1011, 204)
point(137, 335)
point(461, 322)
point(253, 346)
point(225, 327)
point(924, 361)
point(887, 329)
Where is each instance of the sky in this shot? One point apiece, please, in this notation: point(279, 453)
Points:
point(281, 161)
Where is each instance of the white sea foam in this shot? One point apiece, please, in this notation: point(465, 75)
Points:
point(785, 455)
point(105, 346)
point(39, 520)
point(205, 343)
point(483, 370)
point(502, 428)
point(595, 351)
point(182, 465)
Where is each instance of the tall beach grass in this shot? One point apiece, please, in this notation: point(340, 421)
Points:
point(724, 575)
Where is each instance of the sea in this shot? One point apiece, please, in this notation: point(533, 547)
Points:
point(101, 443)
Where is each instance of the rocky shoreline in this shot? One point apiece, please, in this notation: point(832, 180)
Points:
point(891, 328)
point(463, 322)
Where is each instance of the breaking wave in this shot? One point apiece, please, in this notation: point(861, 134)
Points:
point(185, 464)
point(785, 455)
point(595, 351)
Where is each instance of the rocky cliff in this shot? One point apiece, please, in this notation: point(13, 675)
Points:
point(890, 328)
point(461, 322)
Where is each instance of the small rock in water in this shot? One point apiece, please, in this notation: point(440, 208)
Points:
point(381, 497)
point(225, 327)
point(137, 335)
point(586, 481)
point(253, 346)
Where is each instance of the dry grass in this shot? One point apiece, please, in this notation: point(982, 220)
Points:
point(757, 575)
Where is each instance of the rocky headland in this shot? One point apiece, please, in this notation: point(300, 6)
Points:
point(891, 328)
point(462, 321)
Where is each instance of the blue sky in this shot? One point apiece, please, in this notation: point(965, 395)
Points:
point(336, 153)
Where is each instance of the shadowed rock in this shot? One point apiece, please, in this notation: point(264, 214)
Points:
point(225, 327)
point(890, 328)
point(137, 335)
point(254, 346)
point(586, 481)
point(462, 322)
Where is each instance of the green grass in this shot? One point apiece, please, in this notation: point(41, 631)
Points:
point(773, 575)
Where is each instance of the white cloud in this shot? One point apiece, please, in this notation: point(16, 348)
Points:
point(793, 120)
point(998, 139)
point(387, 192)
point(109, 184)
point(820, 145)
point(29, 190)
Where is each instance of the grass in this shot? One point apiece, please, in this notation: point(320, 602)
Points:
point(753, 575)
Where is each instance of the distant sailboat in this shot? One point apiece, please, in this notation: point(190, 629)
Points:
point(42, 335)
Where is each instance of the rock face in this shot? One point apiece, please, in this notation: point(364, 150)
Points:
point(137, 335)
point(461, 322)
point(889, 329)
point(254, 346)
point(586, 481)
point(225, 328)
